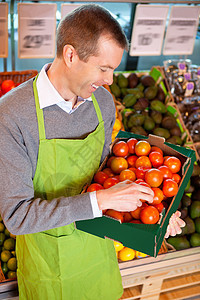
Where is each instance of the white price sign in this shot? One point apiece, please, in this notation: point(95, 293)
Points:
point(148, 30)
point(4, 30)
point(36, 30)
point(67, 8)
point(181, 31)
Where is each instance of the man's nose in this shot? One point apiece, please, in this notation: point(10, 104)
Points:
point(109, 78)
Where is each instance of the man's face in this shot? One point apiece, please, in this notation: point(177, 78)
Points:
point(86, 77)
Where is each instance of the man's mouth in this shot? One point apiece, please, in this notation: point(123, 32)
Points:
point(94, 86)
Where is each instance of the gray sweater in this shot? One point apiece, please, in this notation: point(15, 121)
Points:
point(19, 137)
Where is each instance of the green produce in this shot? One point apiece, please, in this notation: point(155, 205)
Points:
point(186, 201)
point(147, 80)
point(196, 170)
point(195, 239)
point(136, 120)
point(160, 94)
point(195, 209)
point(179, 242)
point(133, 80)
point(190, 225)
point(137, 92)
point(129, 100)
point(141, 104)
point(115, 90)
point(176, 140)
point(138, 130)
point(156, 116)
point(175, 131)
point(149, 124)
point(150, 92)
point(158, 106)
point(197, 224)
point(162, 132)
point(122, 81)
point(168, 122)
point(184, 212)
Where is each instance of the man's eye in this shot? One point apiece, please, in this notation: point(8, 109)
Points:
point(103, 70)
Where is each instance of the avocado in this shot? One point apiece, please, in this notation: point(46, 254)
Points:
point(175, 130)
point(162, 132)
point(176, 140)
point(114, 78)
point(147, 80)
point(149, 124)
point(137, 92)
point(136, 120)
point(160, 94)
point(129, 100)
point(179, 242)
point(141, 104)
point(138, 130)
point(168, 122)
point(186, 201)
point(115, 90)
point(158, 106)
point(195, 239)
point(122, 81)
point(156, 116)
point(150, 92)
point(197, 224)
point(123, 92)
point(196, 170)
point(190, 225)
point(195, 209)
point(140, 86)
point(133, 80)
point(195, 180)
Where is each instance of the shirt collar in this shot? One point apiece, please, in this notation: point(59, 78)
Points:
point(48, 95)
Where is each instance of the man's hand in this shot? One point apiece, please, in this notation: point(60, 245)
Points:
point(175, 224)
point(124, 196)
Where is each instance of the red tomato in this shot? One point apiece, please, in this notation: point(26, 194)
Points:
point(110, 182)
point(136, 222)
point(157, 149)
point(142, 148)
point(7, 85)
point(115, 214)
point(158, 196)
point(109, 161)
point(94, 187)
point(127, 217)
point(170, 188)
point(143, 161)
point(154, 177)
point(132, 169)
point(159, 206)
point(149, 215)
point(109, 172)
point(156, 159)
point(136, 213)
point(167, 174)
point(131, 160)
point(119, 164)
point(100, 177)
point(139, 180)
point(173, 163)
point(176, 178)
point(127, 174)
point(131, 145)
point(140, 172)
point(120, 149)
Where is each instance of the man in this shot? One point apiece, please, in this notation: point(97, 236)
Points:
point(55, 131)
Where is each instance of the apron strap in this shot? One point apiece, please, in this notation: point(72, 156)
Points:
point(97, 109)
point(39, 112)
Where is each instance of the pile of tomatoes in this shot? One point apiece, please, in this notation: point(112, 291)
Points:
point(6, 86)
point(139, 162)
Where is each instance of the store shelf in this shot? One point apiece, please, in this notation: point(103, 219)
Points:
point(174, 275)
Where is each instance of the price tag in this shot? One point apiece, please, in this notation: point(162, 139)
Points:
point(4, 30)
point(36, 30)
point(148, 30)
point(181, 30)
point(67, 8)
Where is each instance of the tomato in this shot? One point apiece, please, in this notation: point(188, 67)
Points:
point(149, 215)
point(142, 148)
point(115, 214)
point(127, 217)
point(132, 169)
point(109, 172)
point(131, 145)
point(7, 85)
point(173, 163)
point(170, 188)
point(131, 160)
point(140, 172)
point(176, 178)
point(135, 221)
point(158, 196)
point(94, 187)
point(100, 177)
point(159, 206)
point(109, 161)
point(139, 180)
point(127, 174)
point(167, 174)
point(156, 159)
point(143, 161)
point(110, 182)
point(154, 177)
point(136, 213)
point(157, 149)
point(119, 164)
point(144, 184)
point(120, 149)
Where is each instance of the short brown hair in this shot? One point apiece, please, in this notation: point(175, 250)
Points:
point(83, 27)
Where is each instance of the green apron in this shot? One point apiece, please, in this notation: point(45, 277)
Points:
point(66, 263)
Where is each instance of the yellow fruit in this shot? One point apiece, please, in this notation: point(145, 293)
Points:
point(126, 254)
point(2, 227)
point(118, 246)
point(7, 233)
point(114, 134)
point(11, 275)
point(117, 125)
point(9, 244)
point(5, 255)
point(140, 254)
point(12, 264)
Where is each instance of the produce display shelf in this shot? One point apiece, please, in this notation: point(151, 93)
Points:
point(172, 275)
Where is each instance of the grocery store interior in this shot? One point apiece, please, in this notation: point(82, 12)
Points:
point(156, 92)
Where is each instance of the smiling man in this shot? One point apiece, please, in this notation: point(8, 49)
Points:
point(55, 131)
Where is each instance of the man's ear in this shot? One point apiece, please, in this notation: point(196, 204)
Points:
point(69, 55)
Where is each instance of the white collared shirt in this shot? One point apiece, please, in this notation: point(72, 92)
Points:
point(48, 96)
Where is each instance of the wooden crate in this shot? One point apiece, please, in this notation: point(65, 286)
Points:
point(18, 76)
